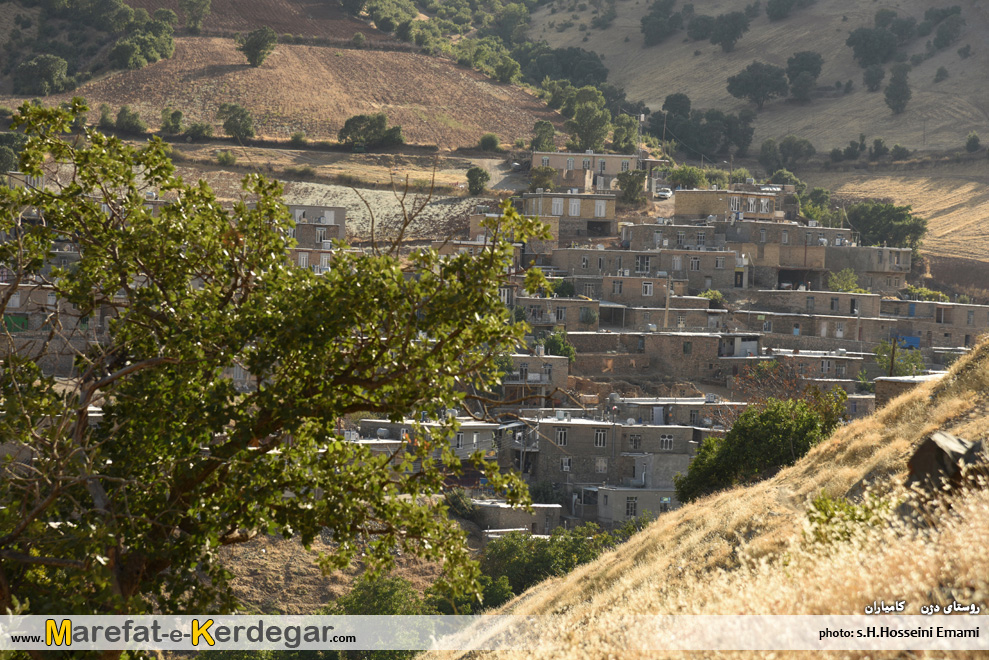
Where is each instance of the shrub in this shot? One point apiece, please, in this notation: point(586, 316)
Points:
point(258, 45)
point(298, 139)
point(199, 131)
point(129, 121)
point(899, 153)
point(358, 40)
point(965, 51)
point(489, 142)
point(171, 121)
point(237, 121)
point(942, 74)
point(716, 297)
point(831, 520)
point(226, 158)
point(972, 143)
point(106, 117)
point(370, 130)
point(460, 504)
point(301, 171)
point(477, 178)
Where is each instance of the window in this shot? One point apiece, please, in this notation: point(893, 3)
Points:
point(764, 205)
point(635, 441)
point(695, 263)
point(557, 206)
point(616, 286)
point(701, 238)
point(545, 161)
point(574, 207)
point(460, 440)
point(681, 320)
point(762, 235)
point(677, 262)
point(600, 263)
point(853, 407)
point(624, 166)
point(808, 237)
point(879, 256)
point(600, 437)
point(641, 263)
point(600, 208)
point(839, 370)
point(736, 203)
point(647, 289)
point(810, 303)
point(785, 238)
point(694, 417)
point(561, 436)
point(825, 366)
point(583, 262)
point(767, 326)
point(569, 163)
point(687, 348)
point(835, 302)
point(751, 201)
point(666, 442)
point(657, 237)
point(600, 464)
point(589, 292)
point(971, 317)
point(796, 329)
point(52, 299)
point(565, 463)
point(603, 165)
point(631, 507)
point(303, 260)
point(896, 258)
point(15, 299)
point(719, 263)
point(320, 235)
point(561, 314)
point(681, 237)
point(587, 163)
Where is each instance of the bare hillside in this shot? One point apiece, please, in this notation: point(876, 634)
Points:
point(316, 89)
point(744, 551)
point(938, 116)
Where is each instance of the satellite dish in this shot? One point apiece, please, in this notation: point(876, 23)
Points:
point(630, 421)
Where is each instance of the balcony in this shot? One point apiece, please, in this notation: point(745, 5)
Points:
point(515, 378)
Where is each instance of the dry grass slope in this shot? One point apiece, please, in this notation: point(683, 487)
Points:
point(947, 110)
point(953, 199)
point(316, 89)
point(726, 553)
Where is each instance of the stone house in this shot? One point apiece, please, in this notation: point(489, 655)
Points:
point(569, 314)
point(579, 215)
point(586, 171)
point(537, 379)
point(316, 229)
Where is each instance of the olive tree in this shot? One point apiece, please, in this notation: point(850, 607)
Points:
point(126, 516)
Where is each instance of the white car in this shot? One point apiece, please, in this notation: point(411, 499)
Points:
point(664, 193)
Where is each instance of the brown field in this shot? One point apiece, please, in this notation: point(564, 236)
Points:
point(744, 551)
point(310, 18)
point(938, 116)
point(952, 197)
point(315, 89)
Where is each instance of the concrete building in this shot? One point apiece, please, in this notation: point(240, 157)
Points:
point(570, 314)
point(586, 171)
point(537, 379)
point(316, 229)
point(579, 215)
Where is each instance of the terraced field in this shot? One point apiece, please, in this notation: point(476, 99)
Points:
point(954, 199)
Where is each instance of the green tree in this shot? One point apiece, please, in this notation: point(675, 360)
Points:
point(8, 159)
point(477, 179)
point(589, 127)
point(542, 177)
point(677, 105)
point(972, 142)
point(237, 121)
point(129, 121)
point(171, 121)
point(777, 10)
point(182, 463)
point(558, 344)
point(758, 82)
point(898, 91)
point(700, 27)
point(785, 177)
point(632, 184)
point(624, 140)
point(762, 440)
point(801, 87)
point(794, 150)
point(728, 29)
point(199, 131)
point(687, 176)
point(887, 224)
point(845, 280)
point(507, 70)
point(195, 12)
point(905, 361)
point(872, 46)
point(542, 138)
point(873, 76)
point(769, 156)
point(166, 16)
point(370, 130)
point(806, 61)
point(489, 142)
point(258, 45)
point(42, 75)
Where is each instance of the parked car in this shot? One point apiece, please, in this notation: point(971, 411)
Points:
point(664, 193)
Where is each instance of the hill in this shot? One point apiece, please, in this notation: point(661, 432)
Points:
point(938, 116)
point(315, 89)
point(951, 196)
point(743, 551)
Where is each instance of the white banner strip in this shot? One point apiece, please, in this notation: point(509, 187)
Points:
point(645, 633)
